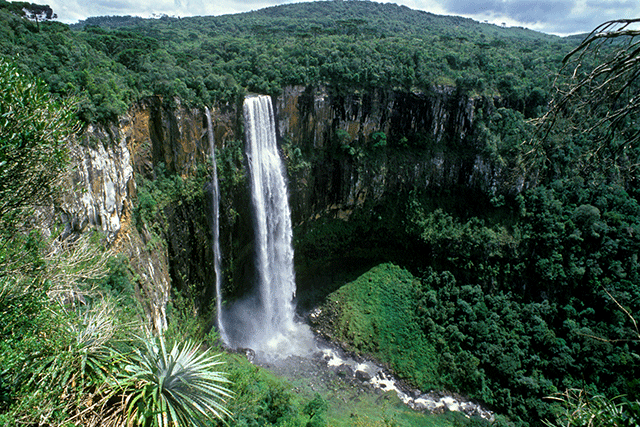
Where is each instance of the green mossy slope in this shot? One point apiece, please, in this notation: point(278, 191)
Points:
point(375, 315)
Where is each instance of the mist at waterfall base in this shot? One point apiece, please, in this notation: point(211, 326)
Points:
point(265, 321)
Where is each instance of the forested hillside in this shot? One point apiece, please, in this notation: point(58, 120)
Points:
point(522, 294)
point(113, 61)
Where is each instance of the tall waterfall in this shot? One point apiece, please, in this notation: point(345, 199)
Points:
point(264, 321)
point(215, 209)
point(273, 234)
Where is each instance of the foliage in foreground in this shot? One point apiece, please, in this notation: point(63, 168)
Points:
point(34, 130)
point(580, 408)
point(63, 353)
point(181, 386)
point(65, 365)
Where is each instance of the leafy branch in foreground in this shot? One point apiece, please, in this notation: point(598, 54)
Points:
point(610, 89)
point(580, 408)
point(34, 129)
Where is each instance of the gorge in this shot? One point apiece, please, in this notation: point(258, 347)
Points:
point(331, 186)
point(433, 212)
point(336, 196)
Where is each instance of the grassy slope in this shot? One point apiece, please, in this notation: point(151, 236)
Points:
point(375, 315)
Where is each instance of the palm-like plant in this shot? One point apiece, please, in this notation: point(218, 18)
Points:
point(178, 388)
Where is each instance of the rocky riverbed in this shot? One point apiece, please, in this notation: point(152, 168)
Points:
point(328, 365)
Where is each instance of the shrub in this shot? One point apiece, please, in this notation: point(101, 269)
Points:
point(178, 387)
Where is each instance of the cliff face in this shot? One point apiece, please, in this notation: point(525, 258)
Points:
point(336, 133)
point(431, 135)
point(342, 150)
point(100, 193)
point(312, 114)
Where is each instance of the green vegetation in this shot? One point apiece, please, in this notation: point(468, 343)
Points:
point(180, 387)
point(111, 62)
point(64, 341)
point(32, 149)
point(520, 297)
point(69, 317)
point(508, 298)
point(495, 347)
point(581, 408)
point(377, 317)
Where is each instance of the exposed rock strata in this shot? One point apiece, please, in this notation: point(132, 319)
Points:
point(334, 182)
point(443, 152)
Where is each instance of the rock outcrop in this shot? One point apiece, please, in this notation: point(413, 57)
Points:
point(101, 184)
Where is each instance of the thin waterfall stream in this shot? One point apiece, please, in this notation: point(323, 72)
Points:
point(215, 209)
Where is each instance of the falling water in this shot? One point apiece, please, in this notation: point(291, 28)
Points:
point(215, 209)
point(274, 253)
point(273, 327)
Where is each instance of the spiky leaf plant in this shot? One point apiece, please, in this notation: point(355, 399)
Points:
point(93, 332)
point(182, 387)
point(580, 408)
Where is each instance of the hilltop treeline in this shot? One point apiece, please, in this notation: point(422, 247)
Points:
point(112, 61)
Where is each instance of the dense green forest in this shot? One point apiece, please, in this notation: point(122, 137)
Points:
point(507, 298)
point(110, 62)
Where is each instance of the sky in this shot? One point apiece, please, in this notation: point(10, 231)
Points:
point(561, 17)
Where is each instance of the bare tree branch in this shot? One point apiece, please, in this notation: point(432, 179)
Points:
point(600, 102)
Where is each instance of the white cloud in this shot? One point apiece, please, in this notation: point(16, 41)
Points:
point(551, 16)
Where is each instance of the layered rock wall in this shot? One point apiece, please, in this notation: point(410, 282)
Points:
point(431, 135)
point(427, 142)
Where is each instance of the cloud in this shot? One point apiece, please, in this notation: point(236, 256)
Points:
point(522, 10)
point(558, 17)
point(70, 11)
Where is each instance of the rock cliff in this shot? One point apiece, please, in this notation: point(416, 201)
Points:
point(100, 193)
point(432, 135)
point(342, 150)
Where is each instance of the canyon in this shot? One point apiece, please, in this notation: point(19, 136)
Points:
point(327, 139)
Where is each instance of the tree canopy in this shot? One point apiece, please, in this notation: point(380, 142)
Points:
point(35, 128)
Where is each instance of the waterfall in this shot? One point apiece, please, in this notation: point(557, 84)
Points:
point(265, 320)
point(273, 234)
point(215, 212)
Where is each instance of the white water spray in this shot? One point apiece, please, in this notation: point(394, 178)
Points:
point(215, 209)
point(272, 328)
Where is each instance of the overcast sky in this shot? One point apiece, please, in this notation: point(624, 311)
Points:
point(549, 16)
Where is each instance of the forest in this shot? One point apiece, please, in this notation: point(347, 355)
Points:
point(524, 298)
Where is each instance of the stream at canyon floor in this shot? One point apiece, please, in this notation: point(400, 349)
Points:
point(351, 381)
